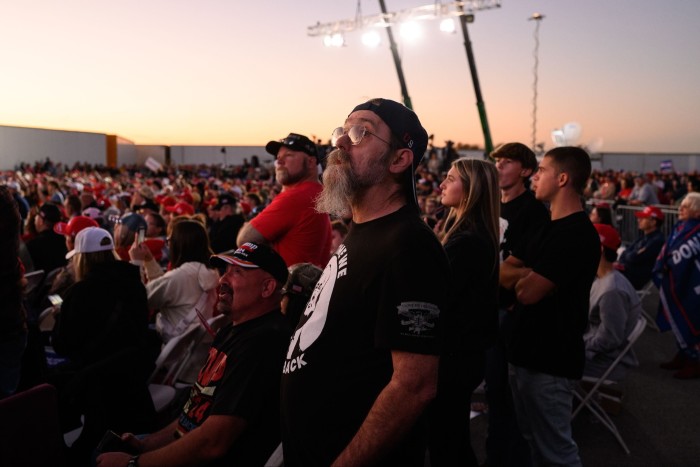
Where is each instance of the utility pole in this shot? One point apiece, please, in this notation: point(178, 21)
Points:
point(397, 61)
point(488, 144)
point(537, 18)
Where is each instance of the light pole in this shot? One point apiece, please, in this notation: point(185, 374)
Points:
point(537, 18)
point(397, 61)
point(488, 144)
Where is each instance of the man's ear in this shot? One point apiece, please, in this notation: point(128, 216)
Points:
point(401, 160)
point(563, 179)
point(269, 285)
point(526, 173)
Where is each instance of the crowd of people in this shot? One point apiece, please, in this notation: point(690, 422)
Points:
point(365, 294)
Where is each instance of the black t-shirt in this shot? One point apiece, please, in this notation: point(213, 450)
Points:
point(524, 217)
point(241, 378)
point(548, 335)
point(382, 290)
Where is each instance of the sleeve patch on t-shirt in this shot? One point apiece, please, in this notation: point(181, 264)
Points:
point(418, 318)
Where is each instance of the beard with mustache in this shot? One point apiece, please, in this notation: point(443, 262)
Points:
point(342, 184)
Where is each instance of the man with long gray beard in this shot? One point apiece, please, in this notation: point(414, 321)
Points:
point(290, 224)
point(362, 364)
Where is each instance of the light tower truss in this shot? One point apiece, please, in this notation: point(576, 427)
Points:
point(436, 10)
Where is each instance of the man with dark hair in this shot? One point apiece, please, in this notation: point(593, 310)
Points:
point(614, 311)
point(362, 364)
point(48, 248)
point(56, 195)
point(126, 231)
point(643, 192)
point(232, 414)
point(552, 280)
point(228, 223)
point(290, 224)
point(638, 259)
point(522, 217)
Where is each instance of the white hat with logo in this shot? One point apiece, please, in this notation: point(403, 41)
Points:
point(91, 240)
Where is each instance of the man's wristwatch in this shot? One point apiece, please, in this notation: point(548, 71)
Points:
point(133, 462)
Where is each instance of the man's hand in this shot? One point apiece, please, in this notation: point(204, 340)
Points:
point(113, 459)
point(133, 441)
point(140, 252)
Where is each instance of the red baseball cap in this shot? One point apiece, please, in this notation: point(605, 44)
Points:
point(650, 211)
point(181, 208)
point(609, 237)
point(75, 225)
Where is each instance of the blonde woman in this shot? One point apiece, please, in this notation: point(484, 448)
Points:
point(470, 235)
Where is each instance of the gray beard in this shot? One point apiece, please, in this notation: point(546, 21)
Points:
point(336, 197)
point(341, 185)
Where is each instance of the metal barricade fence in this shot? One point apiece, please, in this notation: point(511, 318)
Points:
point(626, 222)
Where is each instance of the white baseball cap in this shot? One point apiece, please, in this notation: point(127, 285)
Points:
point(91, 240)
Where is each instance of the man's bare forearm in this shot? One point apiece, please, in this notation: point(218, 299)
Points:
point(394, 413)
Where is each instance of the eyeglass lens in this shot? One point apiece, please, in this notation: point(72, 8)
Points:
point(355, 133)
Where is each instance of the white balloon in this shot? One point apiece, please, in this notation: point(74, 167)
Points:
point(558, 138)
point(572, 132)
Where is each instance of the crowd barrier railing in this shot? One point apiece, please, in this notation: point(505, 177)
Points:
point(626, 222)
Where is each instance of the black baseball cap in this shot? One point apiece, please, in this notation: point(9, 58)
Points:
point(253, 256)
point(225, 200)
point(50, 212)
point(406, 127)
point(295, 142)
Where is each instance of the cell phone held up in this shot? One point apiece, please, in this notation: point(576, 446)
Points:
point(55, 300)
point(112, 442)
point(141, 236)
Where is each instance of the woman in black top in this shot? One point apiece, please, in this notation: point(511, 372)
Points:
point(470, 236)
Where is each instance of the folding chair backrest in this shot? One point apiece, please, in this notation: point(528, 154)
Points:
point(31, 433)
point(631, 338)
point(176, 353)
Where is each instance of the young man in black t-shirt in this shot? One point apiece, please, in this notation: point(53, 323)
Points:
point(552, 280)
point(362, 364)
point(522, 217)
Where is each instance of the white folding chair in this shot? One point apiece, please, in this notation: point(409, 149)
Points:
point(276, 458)
point(173, 357)
point(178, 356)
point(642, 294)
point(588, 397)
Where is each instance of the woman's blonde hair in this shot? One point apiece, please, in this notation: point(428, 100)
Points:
point(481, 201)
point(84, 263)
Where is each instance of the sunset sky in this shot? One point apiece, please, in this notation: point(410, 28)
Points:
point(226, 72)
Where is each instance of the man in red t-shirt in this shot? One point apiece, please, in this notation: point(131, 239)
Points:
point(291, 224)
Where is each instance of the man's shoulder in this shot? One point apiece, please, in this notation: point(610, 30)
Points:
point(302, 189)
point(526, 205)
point(576, 233)
point(293, 196)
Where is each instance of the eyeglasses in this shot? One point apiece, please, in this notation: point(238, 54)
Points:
point(356, 133)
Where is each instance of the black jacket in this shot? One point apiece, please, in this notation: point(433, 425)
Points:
point(102, 314)
point(48, 250)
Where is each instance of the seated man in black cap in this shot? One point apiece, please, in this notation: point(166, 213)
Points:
point(291, 224)
point(48, 248)
point(224, 230)
point(232, 415)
